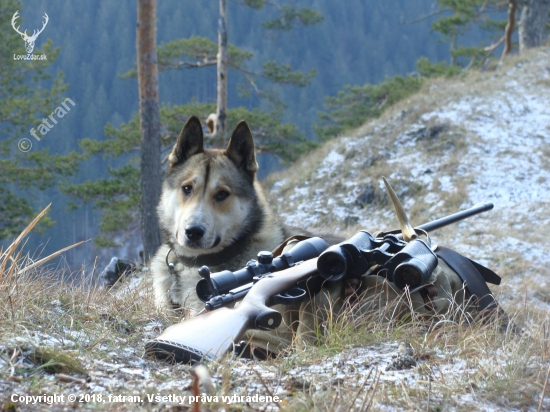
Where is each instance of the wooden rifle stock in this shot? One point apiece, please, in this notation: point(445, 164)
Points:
point(211, 335)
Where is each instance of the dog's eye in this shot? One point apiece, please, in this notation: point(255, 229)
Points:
point(221, 195)
point(187, 189)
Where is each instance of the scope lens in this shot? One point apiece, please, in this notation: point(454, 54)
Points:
point(332, 266)
point(407, 275)
point(203, 291)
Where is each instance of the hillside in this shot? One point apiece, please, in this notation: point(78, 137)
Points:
point(482, 137)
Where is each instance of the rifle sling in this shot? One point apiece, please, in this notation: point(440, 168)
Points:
point(473, 280)
point(278, 251)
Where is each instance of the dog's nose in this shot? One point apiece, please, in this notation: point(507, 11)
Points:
point(194, 232)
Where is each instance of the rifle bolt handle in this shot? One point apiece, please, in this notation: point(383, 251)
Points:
point(204, 272)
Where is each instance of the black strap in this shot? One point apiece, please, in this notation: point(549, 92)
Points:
point(473, 280)
point(488, 275)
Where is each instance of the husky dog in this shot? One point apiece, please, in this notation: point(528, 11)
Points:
point(212, 212)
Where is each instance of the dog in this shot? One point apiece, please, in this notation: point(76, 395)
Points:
point(212, 212)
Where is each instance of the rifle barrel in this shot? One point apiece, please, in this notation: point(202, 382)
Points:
point(447, 220)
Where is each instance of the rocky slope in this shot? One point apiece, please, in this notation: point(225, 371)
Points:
point(484, 137)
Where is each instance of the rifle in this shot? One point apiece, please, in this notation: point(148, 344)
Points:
point(225, 287)
point(210, 335)
point(411, 267)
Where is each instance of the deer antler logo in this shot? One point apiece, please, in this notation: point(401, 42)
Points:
point(29, 40)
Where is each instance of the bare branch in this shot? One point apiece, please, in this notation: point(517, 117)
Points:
point(425, 17)
point(481, 9)
point(492, 47)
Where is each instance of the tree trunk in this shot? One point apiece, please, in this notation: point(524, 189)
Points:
point(221, 111)
point(150, 125)
point(533, 23)
point(454, 59)
point(512, 7)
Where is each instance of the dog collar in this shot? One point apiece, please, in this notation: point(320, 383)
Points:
point(214, 259)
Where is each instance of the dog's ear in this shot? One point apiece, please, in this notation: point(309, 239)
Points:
point(241, 149)
point(189, 143)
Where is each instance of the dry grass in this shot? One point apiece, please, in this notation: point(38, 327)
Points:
point(460, 365)
point(51, 329)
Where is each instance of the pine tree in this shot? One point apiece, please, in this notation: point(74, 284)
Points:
point(465, 14)
point(24, 103)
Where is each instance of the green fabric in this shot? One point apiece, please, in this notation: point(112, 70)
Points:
point(302, 323)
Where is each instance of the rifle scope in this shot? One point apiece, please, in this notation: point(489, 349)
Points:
point(222, 282)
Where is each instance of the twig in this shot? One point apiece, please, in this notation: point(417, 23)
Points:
point(9, 251)
point(374, 387)
point(91, 285)
point(187, 65)
point(543, 390)
point(331, 408)
point(67, 378)
point(350, 406)
point(53, 255)
point(481, 9)
point(422, 18)
point(429, 391)
point(492, 47)
point(196, 394)
point(11, 308)
point(407, 397)
point(265, 386)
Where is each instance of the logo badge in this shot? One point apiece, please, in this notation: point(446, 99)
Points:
point(29, 40)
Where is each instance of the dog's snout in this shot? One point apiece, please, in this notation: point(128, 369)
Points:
point(194, 232)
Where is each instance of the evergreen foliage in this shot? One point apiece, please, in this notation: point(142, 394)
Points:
point(357, 42)
point(355, 105)
point(465, 15)
point(289, 16)
point(425, 68)
point(119, 195)
point(24, 103)
point(198, 52)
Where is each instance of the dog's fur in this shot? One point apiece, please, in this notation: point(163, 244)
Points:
point(211, 201)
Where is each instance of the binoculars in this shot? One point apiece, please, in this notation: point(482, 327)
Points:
point(406, 264)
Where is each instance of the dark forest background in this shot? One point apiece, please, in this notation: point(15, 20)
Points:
point(358, 42)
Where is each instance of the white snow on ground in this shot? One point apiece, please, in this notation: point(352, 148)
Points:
point(507, 158)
